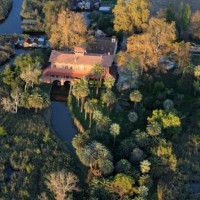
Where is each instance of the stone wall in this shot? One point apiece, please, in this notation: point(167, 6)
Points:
point(157, 4)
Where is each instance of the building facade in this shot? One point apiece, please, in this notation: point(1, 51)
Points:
point(66, 66)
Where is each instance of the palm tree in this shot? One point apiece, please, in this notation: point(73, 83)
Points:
point(145, 166)
point(106, 167)
point(154, 129)
point(46, 100)
point(195, 139)
point(133, 117)
point(126, 147)
point(108, 98)
point(137, 155)
point(75, 92)
point(197, 71)
point(141, 138)
point(93, 154)
point(87, 156)
point(79, 141)
point(97, 72)
point(114, 131)
point(135, 97)
point(98, 116)
point(168, 104)
point(123, 166)
point(89, 107)
point(35, 100)
point(102, 153)
point(109, 82)
point(83, 92)
point(143, 191)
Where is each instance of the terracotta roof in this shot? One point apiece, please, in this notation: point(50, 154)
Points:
point(87, 59)
point(79, 49)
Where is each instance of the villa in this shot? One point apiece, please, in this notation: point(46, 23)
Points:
point(67, 66)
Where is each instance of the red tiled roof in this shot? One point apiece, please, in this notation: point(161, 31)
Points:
point(79, 49)
point(87, 59)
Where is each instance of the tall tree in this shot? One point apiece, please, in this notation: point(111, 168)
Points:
point(97, 71)
point(93, 155)
point(38, 100)
point(195, 25)
point(69, 30)
point(62, 184)
point(183, 18)
point(109, 82)
point(170, 14)
point(182, 55)
point(16, 96)
point(108, 98)
point(122, 185)
point(102, 122)
point(145, 166)
point(135, 97)
point(154, 129)
point(168, 104)
point(156, 43)
point(131, 15)
point(114, 131)
point(90, 107)
point(30, 75)
point(133, 117)
point(83, 92)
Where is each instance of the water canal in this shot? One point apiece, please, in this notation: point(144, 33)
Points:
point(12, 24)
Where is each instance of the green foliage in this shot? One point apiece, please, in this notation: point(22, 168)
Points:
point(137, 155)
point(108, 98)
point(166, 120)
point(6, 51)
point(44, 13)
point(123, 166)
point(123, 184)
point(183, 17)
point(29, 156)
point(130, 16)
point(5, 6)
point(126, 147)
point(145, 166)
point(153, 129)
point(170, 14)
point(2, 132)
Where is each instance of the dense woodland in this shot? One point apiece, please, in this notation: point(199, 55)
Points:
point(44, 12)
point(5, 6)
point(137, 139)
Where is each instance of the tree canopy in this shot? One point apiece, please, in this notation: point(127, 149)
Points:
point(68, 31)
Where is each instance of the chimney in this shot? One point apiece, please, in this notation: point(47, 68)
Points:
point(79, 50)
point(113, 39)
